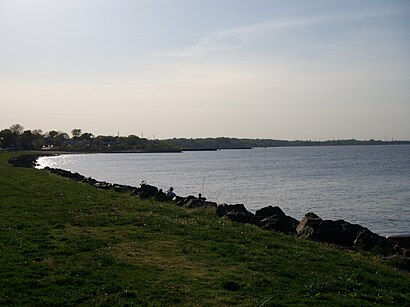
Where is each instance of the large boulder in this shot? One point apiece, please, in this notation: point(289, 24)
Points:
point(241, 217)
point(401, 240)
point(181, 201)
point(224, 209)
point(337, 232)
point(273, 218)
point(145, 191)
point(236, 213)
point(368, 240)
point(342, 233)
point(269, 211)
point(308, 225)
point(279, 222)
point(160, 196)
point(148, 191)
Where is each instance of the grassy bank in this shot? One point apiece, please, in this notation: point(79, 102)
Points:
point(64, 242)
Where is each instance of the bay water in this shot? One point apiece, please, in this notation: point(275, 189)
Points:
point(367, 185)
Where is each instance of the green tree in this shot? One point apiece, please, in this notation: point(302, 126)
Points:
point(52, 134)
point(26, 140)
point(6, 139)
point(38, 138)
point(60, 138)
point(17, 129)
point(76, 133)
point(86, 136)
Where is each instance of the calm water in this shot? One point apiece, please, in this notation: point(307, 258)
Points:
point(369, 185)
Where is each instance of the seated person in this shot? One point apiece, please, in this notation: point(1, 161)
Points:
point(170, 193)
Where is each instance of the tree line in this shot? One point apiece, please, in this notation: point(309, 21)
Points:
point(232, 143)
point(17, 138)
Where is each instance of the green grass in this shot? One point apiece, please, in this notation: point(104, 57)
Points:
point(66, 243)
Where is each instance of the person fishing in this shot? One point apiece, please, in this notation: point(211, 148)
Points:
point(202, 199)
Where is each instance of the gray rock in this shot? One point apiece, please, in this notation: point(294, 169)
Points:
point(308, 225)
point(269, 211)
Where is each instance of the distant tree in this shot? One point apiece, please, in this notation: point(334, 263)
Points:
point(38, 138)
point(133, 140)
point(86, 136)
point(60, 138)
point(26, 140)
point(52, 134)
point(17, 129)
point(7, 139)
point(76, 133)
point(37, 132)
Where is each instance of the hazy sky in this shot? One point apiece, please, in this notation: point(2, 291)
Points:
point(268, 69)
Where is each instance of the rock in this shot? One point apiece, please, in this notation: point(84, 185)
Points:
point(210, 204)
point(237, 213)
point(269, 211)
point(401, 240)
point(24, 160)
point(337, 232)
point(371, 241)
point(279, 222)
point(148, 191)
point(342, 233)
point(223, 209)
point(103, 185)
point(160, 196)
point(192, 203)
point(241, 217)
point(67, 174)
point(177, 199)
point(136, 192)
point(199, 203)
point(76, 176)
point(181, 201)
point(308, 225)
point(119, 187)
point(89, 181)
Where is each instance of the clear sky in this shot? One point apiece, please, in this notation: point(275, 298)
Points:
point(206, 68)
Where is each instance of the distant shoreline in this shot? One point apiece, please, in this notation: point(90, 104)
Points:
point(181, 150)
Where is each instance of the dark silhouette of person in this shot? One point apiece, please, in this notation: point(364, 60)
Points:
point(170, 193)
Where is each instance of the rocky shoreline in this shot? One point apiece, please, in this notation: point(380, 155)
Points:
point(339, 232)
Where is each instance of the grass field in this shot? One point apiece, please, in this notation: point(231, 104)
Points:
point(67, 243)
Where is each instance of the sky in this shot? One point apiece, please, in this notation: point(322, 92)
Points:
point(319, 69)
